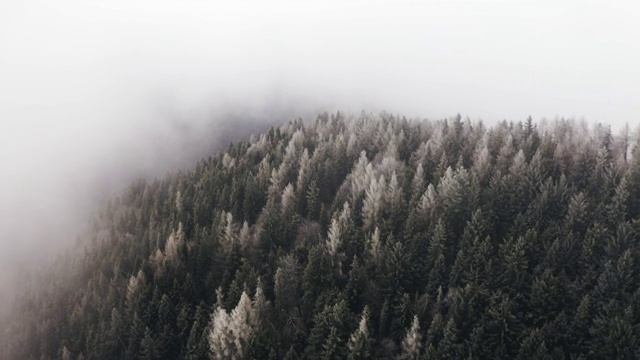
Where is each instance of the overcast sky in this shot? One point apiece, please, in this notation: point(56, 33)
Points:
point(96, 93)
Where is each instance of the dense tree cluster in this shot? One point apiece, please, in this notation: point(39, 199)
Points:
point(358, 237)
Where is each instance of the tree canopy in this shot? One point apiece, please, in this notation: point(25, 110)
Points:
point(356, 237)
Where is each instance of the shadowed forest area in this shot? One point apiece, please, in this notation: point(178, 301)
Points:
point(367, 236)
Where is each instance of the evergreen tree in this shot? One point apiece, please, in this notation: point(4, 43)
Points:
point(360, 341)
point(412, 343)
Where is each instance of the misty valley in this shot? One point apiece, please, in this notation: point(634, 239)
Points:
point(358, 236)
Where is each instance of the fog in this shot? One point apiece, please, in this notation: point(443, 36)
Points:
point(96, 94)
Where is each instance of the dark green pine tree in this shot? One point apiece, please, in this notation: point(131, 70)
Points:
point(313, 201)
point(534, 347)
point(166, 346)
point(329, 335)
point(148, 346)
point(197, 344)
point(317, 278)
point(451, 345)
point(503, 327)
point(436, 257)
point(136, 335)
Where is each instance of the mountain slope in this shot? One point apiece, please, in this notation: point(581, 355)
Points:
point(357, 237)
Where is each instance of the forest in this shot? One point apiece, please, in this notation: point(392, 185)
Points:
point(359, 236)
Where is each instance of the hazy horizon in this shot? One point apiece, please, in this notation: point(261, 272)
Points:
point(97, 94)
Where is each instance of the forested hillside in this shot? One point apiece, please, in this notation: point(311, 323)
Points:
point(360, 237)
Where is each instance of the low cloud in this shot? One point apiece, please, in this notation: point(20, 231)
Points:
point(95, 95)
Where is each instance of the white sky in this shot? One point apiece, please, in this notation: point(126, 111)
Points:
point(83, 84)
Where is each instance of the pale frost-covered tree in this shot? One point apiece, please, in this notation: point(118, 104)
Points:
point(240, 324)
point(437, 140)
point(602, 162)
point(388, 166)
point(229, 230)
point(219, 296)
point(392, 148)
point(220, 341)
point(297, 139)
point(519, 165)
point(133, 287)
point(360, 341)
point(228, 161)
point(393, 196)
point(507, 151)
point(412, 343)
point(334, 237)
point(180, 235)
point(281, 175)
point(422, 153)
point(264, 169)
point(481, 162)
point(303, 172)
point(345, 220)
point(179, 205)
point(617, 208)
point(289, 153)
point(360, 176)
point(428, 202)
point(175, 240)
point(156, 258)
point(352, 145)
point(446, 183)
point(258, 146)
point(288, 199)
point(340, 224)
point(170, 253)
point(276, 185)
point(245, 235)
point(417, 184)
point(230, 334)
point(374, 245)
point(372, 202)
point(456, 191)
point(560, 156)
point(66, 354)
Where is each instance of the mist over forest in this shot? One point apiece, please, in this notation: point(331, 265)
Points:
point(101, 102)
point(76, 187)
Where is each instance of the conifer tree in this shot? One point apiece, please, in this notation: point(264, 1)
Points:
point(412, 343)
point(360, 341)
